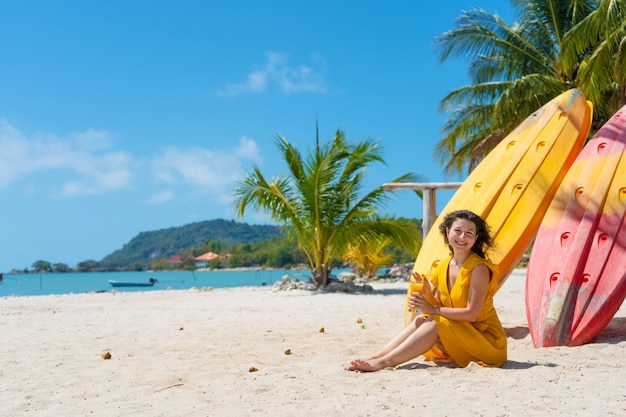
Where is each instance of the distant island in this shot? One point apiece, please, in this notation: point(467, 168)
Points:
point(149, 250)
point(212, 244)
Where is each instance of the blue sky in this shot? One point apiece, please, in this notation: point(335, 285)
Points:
point(118, 117)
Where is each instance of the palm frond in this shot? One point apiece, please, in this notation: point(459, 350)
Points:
point(479, 33)
point(554, 45)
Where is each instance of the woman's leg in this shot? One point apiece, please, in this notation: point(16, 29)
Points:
point(416, 342)
point(400, 337)
point(395, 342)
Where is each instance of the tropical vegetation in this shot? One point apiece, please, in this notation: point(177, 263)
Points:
point(553, 46)
point(320, 203)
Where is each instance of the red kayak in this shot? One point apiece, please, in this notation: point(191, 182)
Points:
point(576, 279)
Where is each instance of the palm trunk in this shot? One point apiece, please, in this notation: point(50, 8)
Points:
point(321, 275)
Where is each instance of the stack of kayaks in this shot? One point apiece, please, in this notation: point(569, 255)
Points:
point(576, 279)
point(513, 186)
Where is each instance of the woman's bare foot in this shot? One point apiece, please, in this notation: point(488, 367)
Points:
point(365, 365)
point(351, 367)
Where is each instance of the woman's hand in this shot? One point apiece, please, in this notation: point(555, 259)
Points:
point(418, 301)
point(426, 301)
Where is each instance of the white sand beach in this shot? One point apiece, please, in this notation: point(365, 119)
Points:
point(190, 352)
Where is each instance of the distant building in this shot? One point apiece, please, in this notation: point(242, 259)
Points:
point(174, 261)
point(203, 260)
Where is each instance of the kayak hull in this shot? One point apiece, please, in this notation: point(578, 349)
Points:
point(576, 278)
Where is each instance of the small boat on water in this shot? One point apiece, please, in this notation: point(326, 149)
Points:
point(117, 284)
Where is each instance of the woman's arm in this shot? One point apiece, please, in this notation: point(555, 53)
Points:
point(479, 282)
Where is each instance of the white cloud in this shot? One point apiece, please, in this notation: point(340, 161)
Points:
point(209, 171)
point(249, 150)
point(277, 71)
point(91, 172)
point(162, 197)
point(83, 164)
point(14, 156)
point(98, 174)
point(92, 139)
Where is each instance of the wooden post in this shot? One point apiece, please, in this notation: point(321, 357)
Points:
point(429, 208)
point(429, 202)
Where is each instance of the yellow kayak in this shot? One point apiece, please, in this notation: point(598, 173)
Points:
point(513, 186)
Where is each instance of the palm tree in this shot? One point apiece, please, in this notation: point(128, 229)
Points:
point(367, 257)
point(554, 46)
point(320, 203)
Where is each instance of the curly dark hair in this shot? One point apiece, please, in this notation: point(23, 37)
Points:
point(483, 243)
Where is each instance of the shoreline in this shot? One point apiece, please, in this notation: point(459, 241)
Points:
point(154, 271)
point(97, 282)
point(191, 352)
point(89, 282)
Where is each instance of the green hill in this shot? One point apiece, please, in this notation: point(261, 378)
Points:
point(165, 242)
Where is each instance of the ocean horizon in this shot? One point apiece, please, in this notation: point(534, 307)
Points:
point(84, 282)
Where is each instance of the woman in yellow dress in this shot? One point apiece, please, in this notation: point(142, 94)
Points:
point(462, 324)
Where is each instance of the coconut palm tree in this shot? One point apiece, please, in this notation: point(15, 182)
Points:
point(320, 203)
point(554, 45)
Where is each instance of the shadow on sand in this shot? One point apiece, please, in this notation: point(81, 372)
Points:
point(517, 333)
point(614, 332)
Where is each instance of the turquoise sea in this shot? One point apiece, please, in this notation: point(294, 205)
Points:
point(44, 284)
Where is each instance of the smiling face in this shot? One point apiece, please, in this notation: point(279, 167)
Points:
point(467, 230)
point(461, 235)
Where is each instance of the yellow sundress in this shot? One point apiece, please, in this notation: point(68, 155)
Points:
point(482, 341)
